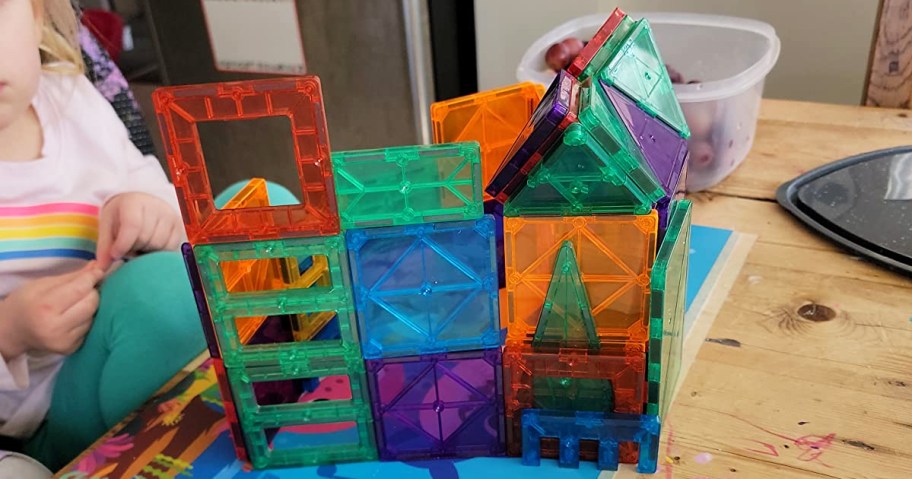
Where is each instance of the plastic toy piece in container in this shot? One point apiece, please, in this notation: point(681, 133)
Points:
point(429, 288)
point(666, 323)
point(605, 429)
point(614, 254)
point(300, 100)
point(409, 184)
point(439, 405)
point(557, 110)
point(492, 118)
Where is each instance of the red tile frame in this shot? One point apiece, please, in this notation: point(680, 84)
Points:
point(595, 43)
point(300, 99)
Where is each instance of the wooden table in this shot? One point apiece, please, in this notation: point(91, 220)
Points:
point(807, 369)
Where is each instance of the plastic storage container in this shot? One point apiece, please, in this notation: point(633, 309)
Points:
point(729, 56)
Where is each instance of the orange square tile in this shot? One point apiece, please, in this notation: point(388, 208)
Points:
point(614, 254)
point(493, 118)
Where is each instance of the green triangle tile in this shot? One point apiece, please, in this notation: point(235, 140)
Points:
point(566, 319)
point(579, 177)
point(637, 70)
point(602, 120)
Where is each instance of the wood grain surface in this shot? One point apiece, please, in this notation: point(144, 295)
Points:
point(890, 74)
point(806, 371)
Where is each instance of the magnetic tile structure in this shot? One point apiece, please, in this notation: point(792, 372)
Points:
point(409, 184)
point(428, 288)
point(493, 118)
point(439, 405)
point(180, 108)
point(516, 288)
point(593, 315)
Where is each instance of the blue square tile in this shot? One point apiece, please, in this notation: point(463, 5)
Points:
point(427, 288)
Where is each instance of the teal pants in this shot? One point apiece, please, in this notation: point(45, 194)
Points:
point(146, 329)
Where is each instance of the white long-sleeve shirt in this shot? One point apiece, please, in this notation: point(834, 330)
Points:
point(49, 217)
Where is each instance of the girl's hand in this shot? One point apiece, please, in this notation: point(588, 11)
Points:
point(136, 223)
point(50, 314)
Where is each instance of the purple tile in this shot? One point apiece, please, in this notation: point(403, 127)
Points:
point(663, 206)
point(201, 306)
point(495, 209)
point(438, 405)
point(663, 147)
point(554, 113)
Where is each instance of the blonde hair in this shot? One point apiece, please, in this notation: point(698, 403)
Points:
point(60, 51)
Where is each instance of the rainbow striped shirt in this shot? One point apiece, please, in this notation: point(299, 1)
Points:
point(53, 230)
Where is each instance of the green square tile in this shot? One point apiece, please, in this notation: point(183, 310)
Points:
point(325, 418)
point(263, 391)
point(409, 185)
point(284, 298)
point(311, 441)
point(668, 300)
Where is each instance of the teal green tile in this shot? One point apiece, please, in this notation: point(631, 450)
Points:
point(566, 318)
point(668, 297)
point(408, 184)
point(578, 177)
point(287, 300)
point(636, 68)
point(309, 425)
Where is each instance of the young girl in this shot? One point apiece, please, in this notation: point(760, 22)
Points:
point(82, 343)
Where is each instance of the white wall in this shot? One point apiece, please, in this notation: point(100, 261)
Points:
point(825, 43)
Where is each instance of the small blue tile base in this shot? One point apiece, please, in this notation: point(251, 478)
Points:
point(609, 429)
